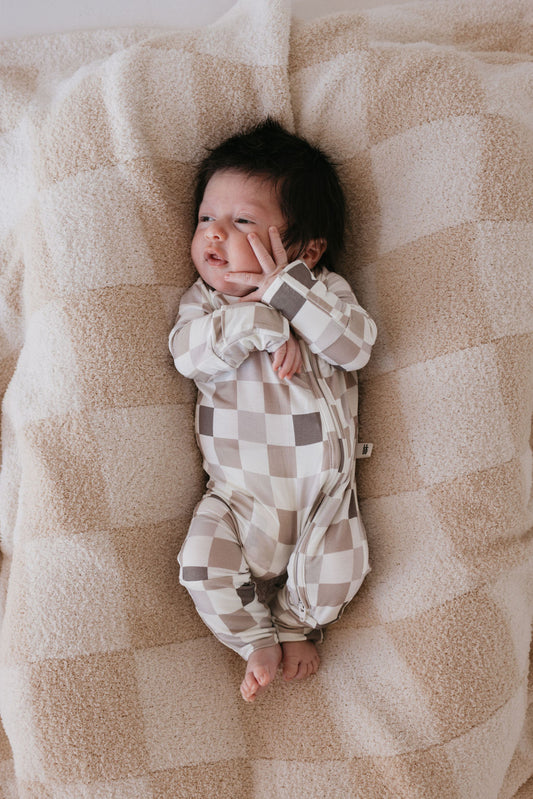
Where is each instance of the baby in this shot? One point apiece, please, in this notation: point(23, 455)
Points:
point(272, 338)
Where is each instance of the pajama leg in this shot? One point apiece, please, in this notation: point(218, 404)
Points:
point(216, 575)
point(325, 570)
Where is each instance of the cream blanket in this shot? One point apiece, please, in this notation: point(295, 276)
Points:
point(110, 684)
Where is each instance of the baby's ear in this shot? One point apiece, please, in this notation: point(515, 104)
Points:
point(313, 252)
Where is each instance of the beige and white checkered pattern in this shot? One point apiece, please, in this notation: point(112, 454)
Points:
point(111, 687)
point(280, 456)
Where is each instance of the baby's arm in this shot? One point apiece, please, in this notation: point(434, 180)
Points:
point(205, 342)
point(325, 313)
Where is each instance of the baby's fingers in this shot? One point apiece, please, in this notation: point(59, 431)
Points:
point(266, 261)
point(292, 363)
point(278, 250)
point(278, 357)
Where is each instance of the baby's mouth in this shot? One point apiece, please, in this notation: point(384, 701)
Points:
point(214, 259)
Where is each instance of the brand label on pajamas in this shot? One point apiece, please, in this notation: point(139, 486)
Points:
point(363, 450)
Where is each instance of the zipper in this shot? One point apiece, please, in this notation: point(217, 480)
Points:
point(326, 402)
point(299, 569)
point(324, 393)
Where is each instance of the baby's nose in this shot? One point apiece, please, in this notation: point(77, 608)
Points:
point(215, 231)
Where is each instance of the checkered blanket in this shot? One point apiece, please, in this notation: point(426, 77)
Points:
point(110, 685)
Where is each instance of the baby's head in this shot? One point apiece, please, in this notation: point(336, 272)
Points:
point(267, 175)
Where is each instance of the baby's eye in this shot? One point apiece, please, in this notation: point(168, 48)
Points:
point(204, 218)
point(242, 221)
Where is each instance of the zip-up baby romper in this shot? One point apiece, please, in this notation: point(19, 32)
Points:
point(281, 499)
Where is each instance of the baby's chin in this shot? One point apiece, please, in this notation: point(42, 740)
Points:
point(232, 288)
point(235, 292)
point(228, 288)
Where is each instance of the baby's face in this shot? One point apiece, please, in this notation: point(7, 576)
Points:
point(233, 206)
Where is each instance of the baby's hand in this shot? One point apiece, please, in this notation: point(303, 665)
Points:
point(287, 360)
point(271, 266)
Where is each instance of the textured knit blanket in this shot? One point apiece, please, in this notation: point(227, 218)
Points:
point(110, 685)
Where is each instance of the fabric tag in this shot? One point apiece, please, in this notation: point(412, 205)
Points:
point(363, 450)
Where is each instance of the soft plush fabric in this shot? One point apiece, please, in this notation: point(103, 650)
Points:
point(110, 684)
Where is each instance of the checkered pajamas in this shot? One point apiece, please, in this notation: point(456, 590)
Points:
point(276, 547)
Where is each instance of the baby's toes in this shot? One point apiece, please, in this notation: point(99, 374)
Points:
point(291, 668)
point(262, 675)
point(249, 687)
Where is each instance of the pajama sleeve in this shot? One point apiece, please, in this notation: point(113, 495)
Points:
point(205, 342)
point(324, 312)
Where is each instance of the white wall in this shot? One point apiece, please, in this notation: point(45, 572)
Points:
point(26, 17)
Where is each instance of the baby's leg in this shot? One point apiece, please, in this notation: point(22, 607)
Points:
point(215, 572)
point(325, 572)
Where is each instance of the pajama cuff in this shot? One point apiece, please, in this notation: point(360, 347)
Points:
point(305, 634)
point(287, 298)
point(263, 643)
point(281, 637)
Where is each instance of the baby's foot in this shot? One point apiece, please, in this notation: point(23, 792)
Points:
point(300, 659)
point(260, 671)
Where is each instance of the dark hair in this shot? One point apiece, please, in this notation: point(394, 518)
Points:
point(309, 192)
